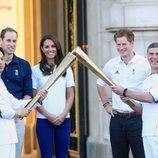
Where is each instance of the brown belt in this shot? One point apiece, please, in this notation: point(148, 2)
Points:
point(126, 115)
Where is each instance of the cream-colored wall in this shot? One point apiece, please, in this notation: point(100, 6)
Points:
point(11, 15)
point(7, 14)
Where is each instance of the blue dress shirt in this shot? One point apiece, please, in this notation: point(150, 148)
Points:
point(17, 77)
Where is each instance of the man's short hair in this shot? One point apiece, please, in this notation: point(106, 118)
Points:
point(152, 45)
point(7, 29)
point(124, 33)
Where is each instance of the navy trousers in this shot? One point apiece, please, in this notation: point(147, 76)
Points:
point(125, 134)
point(47, 134)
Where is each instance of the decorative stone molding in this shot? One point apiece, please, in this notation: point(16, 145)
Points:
point(148, 28)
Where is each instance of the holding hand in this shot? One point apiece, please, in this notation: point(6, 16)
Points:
point(43, 94)
point(118, 89)
point(23, 112)
point(124, 99)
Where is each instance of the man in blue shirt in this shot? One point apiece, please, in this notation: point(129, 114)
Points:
point(16, 76)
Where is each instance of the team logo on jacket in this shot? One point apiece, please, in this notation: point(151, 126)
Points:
point(16, 72)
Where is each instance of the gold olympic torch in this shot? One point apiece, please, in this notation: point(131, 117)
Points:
point(86, 61)
point(67, 61)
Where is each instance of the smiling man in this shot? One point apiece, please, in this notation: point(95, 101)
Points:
point(149, 105)
point(129, 69)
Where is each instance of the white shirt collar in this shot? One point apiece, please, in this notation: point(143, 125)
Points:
point(133, 60)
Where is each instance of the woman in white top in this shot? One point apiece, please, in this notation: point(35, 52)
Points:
point(53, 118)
